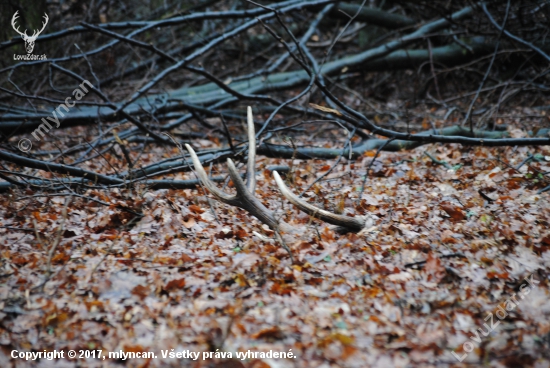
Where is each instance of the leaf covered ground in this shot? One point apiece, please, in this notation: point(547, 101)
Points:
point(458, 230)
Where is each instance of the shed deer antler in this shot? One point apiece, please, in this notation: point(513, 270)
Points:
point(246, 200)
point(29, 40)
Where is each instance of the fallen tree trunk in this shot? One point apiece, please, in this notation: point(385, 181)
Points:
point(142, 175)
point(24, 120)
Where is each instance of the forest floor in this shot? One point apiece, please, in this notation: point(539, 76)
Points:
point(457, 249)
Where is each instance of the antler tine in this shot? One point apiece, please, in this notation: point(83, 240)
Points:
point(244, 199)
point(251, 167)
point(241, 188)
point(220, 195)
point(353, 223)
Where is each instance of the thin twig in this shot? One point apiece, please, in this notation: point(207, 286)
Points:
point(468, 117)
point(369, 167)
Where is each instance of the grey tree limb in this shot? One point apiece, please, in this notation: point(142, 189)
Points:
point(373, 16)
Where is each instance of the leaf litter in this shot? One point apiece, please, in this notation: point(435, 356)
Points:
point(193, 274)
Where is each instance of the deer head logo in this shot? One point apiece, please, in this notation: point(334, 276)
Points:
point(29, 40)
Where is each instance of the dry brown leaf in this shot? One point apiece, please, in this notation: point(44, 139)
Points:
point(274, 333)
point(455, 212)
point(175, 285)
point(435, 271)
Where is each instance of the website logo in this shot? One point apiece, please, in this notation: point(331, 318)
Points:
point(29, 40)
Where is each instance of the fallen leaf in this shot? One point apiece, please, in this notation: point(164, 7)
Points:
point(436, 272)
point(455, 212)
point(175, 285)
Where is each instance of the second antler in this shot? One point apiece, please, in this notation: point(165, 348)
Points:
point(246, 199)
